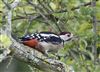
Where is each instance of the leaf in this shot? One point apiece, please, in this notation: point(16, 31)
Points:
point(53, 6)
point(98, 15)
point(5, 40)
point(83, 44)
point(85, 26)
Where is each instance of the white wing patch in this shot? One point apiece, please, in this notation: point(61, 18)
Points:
point(47, 35)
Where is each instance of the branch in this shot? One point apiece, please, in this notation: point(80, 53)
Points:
point(98, 20)
point(32, 58)
point(8, 13)
point(42, 13)
point(5, 54)
point(15, 4)
point(8, 16)
point(94, 49)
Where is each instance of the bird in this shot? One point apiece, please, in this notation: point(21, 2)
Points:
point(46, 42)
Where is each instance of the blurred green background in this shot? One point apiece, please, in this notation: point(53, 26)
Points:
point(77, 53)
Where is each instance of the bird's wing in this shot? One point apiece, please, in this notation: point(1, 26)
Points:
point(53, 40)
point(47, 34)
point(48, 37)
point(25, 38)
point(28, 37)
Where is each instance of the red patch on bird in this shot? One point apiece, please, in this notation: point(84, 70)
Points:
point(31, 43)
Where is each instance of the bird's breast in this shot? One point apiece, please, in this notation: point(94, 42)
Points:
point(51, 47)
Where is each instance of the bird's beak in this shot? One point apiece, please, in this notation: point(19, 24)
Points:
point(75, 37)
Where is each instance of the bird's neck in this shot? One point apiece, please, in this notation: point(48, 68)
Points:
point(62, 37)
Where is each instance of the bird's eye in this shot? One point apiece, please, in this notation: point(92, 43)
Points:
point(68, 35)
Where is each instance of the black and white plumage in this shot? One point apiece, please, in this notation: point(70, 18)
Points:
point(48, 37)
point(49, 41)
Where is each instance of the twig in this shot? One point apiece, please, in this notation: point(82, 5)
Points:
point(8, 13)
point(98, 20)
point(94, 49)
point(74, 8)
point(60, 11)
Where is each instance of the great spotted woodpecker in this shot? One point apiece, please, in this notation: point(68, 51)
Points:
point(46, 42)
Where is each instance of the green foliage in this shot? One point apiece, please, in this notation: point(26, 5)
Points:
point(5, 41)
point(77, 52)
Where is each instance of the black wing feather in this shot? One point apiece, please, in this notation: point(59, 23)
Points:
point(54, 40)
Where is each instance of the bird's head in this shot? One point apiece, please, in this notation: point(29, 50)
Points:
point(66, 36)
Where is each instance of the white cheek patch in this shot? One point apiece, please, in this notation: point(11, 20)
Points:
point(63, 37)
point(66, 37)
